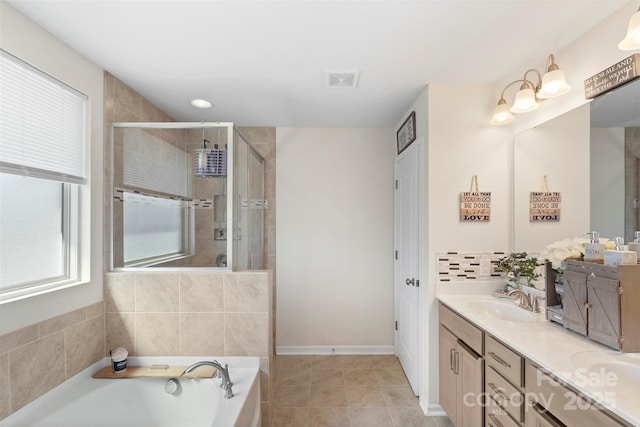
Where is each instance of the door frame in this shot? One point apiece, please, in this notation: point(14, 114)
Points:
point(419, 144)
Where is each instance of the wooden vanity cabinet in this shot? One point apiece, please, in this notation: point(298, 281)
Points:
point(461, 369)
point(601, 301)
point(550, 402)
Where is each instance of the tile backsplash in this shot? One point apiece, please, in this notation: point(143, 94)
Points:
point(456, 266)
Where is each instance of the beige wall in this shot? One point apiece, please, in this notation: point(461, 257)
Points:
point(335, 240)
point(29, 42)
point(558, 149)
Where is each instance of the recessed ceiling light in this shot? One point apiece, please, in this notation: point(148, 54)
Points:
point(201, 103)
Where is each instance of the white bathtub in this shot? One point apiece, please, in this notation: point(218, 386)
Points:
point(143, 402)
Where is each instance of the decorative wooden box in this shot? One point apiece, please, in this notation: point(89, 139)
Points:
point(598, 301)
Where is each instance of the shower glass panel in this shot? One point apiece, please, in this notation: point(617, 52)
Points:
point(170, 208)
point(249, 206)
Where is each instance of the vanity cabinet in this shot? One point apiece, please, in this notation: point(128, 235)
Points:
point(486, 383)
point(461, 369)
point(504, 380)
point(553, 403)
point(600, 302)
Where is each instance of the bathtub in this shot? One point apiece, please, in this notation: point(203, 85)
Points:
point(143, 402)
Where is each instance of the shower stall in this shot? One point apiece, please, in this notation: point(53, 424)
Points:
point(185, 195)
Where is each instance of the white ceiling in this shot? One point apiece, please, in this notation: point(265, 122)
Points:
point(264, 63)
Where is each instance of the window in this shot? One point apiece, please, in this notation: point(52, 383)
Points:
point(153, 220)
point(156, 229)
point(42, 167)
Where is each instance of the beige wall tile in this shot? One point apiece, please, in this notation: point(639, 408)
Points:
point(120, 331)
point(58, 323)
point(84, 344)
point(4, 386)
point(264, 379)
point(157, 292)
point(95, 309)
point(201, 292)
point(125, 97)
point(17, 338)
point(201, 334)
point(157, 334)
point(35, 369)
point(246, 292)
point(246, 334)
point(119, 292)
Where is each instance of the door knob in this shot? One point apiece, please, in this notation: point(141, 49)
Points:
point(411, 282)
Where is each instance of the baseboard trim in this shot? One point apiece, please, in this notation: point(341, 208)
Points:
point(334, 349)
point(431, 409)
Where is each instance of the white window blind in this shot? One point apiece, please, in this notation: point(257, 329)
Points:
point(42, 123)
point(153, 164)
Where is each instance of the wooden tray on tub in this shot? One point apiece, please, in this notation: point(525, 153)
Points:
point(155, 371)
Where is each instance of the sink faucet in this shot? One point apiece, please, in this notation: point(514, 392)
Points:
point(524, 298)
point(224, 372)
point(528, 302)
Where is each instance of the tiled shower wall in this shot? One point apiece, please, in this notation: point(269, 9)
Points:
point(192, 314)
point(123, 104)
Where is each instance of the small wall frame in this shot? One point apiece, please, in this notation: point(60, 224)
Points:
point(407, 132)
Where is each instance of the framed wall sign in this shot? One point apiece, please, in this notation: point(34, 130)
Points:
point(544, 206)
point(475, 206)
point(407, 132)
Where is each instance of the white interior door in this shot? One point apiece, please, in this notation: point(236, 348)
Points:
point(407, 266)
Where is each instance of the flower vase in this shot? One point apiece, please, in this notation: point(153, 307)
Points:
point(511, 285)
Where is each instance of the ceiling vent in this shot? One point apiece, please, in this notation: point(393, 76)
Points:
point(342, 78)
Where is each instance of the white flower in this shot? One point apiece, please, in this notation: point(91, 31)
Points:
point(559, 251)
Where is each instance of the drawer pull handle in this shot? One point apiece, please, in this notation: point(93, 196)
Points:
point(499, 359)
point(498, 392)
point(451, 356)
point(456, 361)
point(495, 420)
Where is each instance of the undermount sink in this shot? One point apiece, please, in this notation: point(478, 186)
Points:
point(622, 371)
point(507, 311)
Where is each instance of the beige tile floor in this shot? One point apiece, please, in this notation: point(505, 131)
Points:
point(345, 391)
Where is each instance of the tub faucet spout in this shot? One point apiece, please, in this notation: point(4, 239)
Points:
point(223, 371)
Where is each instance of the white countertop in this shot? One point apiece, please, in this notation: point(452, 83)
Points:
point(607, 376)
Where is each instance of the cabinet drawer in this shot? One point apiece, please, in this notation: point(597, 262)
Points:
point(568, 406)
point(463, 329)
point(496, 416)
point(504, 360)
point(504, 394)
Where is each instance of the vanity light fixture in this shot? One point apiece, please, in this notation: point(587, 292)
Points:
point(552, 84)
point(632, 39)
point(201, 103)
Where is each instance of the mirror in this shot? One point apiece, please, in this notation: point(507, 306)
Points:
point(591, 155)
point(615, 158)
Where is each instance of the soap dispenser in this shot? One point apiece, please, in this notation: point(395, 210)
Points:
point(635, 245)
point(620, 255)
point(594, 250)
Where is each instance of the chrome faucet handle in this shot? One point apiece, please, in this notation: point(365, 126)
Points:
point(535, 303)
